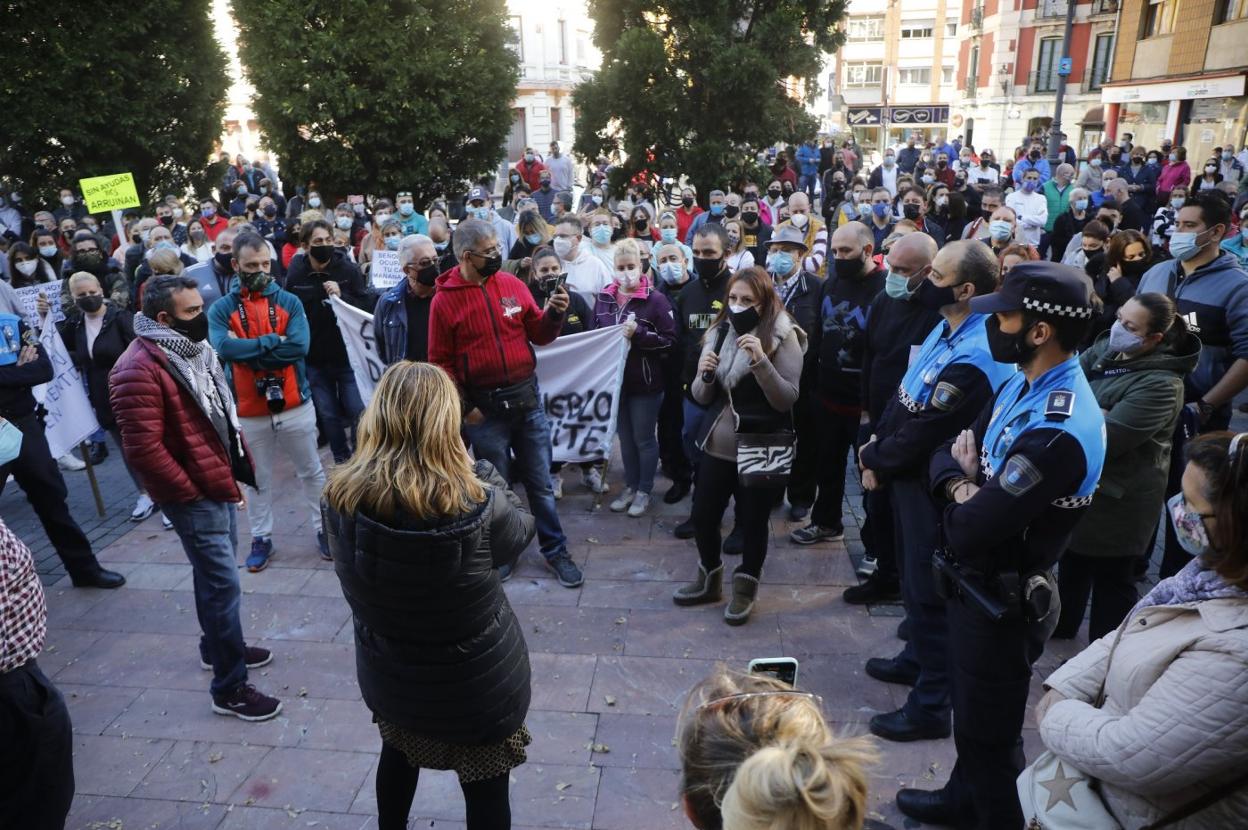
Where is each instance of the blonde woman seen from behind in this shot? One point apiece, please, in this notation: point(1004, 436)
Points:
point(757, 754)
point(417, 533)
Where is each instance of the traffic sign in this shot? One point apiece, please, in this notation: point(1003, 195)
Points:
point(1064, 66)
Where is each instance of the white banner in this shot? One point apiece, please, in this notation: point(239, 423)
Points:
point(579, 377)
point(30, 302)
point(70, 418)
point(357, 333)
point(384, 272)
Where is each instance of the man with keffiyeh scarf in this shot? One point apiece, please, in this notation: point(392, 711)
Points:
point(180, 435)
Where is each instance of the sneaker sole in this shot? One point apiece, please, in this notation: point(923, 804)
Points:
point(564, 582)
point(250, 666)
point(221, 710)
point(255, 569)
point(835, 537)
point(134, 517)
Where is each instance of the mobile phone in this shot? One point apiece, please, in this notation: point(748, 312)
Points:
point(552, 284)
point(783, 669)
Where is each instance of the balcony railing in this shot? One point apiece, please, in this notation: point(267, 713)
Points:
point(1051, 10)
point(1104, 6)
point(1041, 82)
point(972, 85)
point(1095, 77)
point(977, 18)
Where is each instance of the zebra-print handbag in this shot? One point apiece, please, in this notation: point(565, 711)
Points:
point(765, 459)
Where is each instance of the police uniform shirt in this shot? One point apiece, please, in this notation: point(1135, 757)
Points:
point(944, 390)
point(1041, 450)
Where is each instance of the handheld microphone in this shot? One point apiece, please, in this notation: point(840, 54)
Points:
point(721, 334)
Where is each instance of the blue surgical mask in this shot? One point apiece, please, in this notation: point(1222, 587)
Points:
point(1081, 204)
point(780, 263)
point(1183, 245)
point(717, 209)
point(344, 223)
point(392, 242)
point(880, 209)
point(482, 213)
point(441, 246)
point(1174, 157)
point(406, 208)
point(889, 161)
point(10, 442)
point(671, 272)
point(668, 235)
point(47, 251)
point(1177, 203)
point(1227, 155)
point(1121, 340)
point(601, 234)
point(897, 286)
point(532, 238)
point(1000, 230)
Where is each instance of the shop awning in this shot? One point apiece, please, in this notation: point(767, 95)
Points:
point(1095, 117)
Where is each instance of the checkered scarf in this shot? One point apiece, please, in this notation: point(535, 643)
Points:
point(197, 365)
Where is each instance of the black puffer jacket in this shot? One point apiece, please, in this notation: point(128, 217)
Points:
point(438, 649)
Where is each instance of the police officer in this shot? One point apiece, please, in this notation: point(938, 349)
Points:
point(1008, 515)
point(948, 384)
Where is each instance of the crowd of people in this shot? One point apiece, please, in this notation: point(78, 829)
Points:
point(1026, 366)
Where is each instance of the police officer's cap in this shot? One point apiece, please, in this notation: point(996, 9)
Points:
point(1047, 288)
point(788, 235)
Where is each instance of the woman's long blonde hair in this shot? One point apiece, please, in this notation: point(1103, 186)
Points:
point(409, 458)
point(767, 761)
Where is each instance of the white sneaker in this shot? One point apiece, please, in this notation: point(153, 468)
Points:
point(143, 508)
point(556, 484)
point(641, 503)
point(622, 503)
point(593, 480)
point(164, 520)
point(71, 462)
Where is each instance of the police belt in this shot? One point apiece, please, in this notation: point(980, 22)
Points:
point(1003, 597)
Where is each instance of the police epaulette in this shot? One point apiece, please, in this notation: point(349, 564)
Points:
point(1059, 405)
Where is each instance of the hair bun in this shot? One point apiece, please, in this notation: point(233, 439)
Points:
point(800, 785)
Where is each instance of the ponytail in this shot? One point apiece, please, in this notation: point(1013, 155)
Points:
point(800, 785)
point(1163, 317)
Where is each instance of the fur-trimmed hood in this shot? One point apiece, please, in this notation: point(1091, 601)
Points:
point(734, 364)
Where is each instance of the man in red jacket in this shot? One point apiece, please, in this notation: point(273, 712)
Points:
point(481, 326)
point(181, 437)
point(531, 169)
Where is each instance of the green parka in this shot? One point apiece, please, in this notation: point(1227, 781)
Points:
point(1142, 398)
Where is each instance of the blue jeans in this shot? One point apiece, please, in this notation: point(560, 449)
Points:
point(639, 442)
point(338, 402)
point(806, 184)
point(694, 416)
point(209, 534)
point(495, 439)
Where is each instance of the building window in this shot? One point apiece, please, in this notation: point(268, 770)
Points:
point(946, 76)
point(862, 29)
point(951, 27)
point(563, 42)
point(1229, 10)
point(517, 29)
point(1102, 60)
point(916, 29)
point(556, 123)
point(863, 74)
point(1046, 64)
point(1160, 17)
point(914, 76)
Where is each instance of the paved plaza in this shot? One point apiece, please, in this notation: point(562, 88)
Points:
point(612, 662)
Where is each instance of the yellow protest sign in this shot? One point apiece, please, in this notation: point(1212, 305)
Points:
point(105, 193)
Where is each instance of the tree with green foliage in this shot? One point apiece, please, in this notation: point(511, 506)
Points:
point(136, 87)
point(377, 96)
point(700, 88)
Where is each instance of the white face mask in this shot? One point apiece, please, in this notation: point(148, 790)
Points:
point(628, 278)
point(28, 267)
point(799, 220)
point(563, 247)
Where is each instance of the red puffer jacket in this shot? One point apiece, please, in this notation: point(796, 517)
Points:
point(168, 440)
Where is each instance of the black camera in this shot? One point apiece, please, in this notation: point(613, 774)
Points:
point(270, 388)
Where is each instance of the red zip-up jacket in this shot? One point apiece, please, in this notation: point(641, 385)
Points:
point(481, 334)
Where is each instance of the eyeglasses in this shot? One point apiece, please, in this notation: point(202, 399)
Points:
point(771, 693)
point(493, 252)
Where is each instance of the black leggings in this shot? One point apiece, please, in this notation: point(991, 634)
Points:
point(717, 482)
point(487, 802)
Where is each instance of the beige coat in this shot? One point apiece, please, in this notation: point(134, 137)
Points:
point(1175, 720)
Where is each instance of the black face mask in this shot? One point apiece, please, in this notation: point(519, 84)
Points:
point(706, 269)
point(490, 265)
point(224, 261)
point(88, 261)
point(1009, 348)
point(1034, 156)
point(545, 185)
point(847, 269)
point(640, 224)
point(194, 329)
point(90, 303)
point(744, 322)
point(1135, 269)
point(687, 201)
point(911, 212)
point(773, 193)
point(749, 217)
point(617, 234)
point(321, 253)
point(731, 211)
point(935, 297)
point(166, 220)
point(428, 275)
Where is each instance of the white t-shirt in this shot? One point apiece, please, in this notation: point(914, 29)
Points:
point(92, 326)
point(742, 259)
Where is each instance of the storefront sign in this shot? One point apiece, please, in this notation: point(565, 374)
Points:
point(873, 116)
point(1223, 87)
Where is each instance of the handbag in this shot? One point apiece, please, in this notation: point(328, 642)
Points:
point(765, 459)
point(1056, 796)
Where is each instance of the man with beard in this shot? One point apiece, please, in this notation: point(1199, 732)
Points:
point(88, 257)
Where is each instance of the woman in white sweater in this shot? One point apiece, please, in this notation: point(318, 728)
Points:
point(1174, 723)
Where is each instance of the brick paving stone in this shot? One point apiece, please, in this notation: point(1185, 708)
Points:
point(201, 771)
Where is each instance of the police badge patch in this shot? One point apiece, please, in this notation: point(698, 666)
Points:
point(1060, 404)
point(946, 396)
point(1019, 475)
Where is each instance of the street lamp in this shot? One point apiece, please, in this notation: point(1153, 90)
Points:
point(1063, 72)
